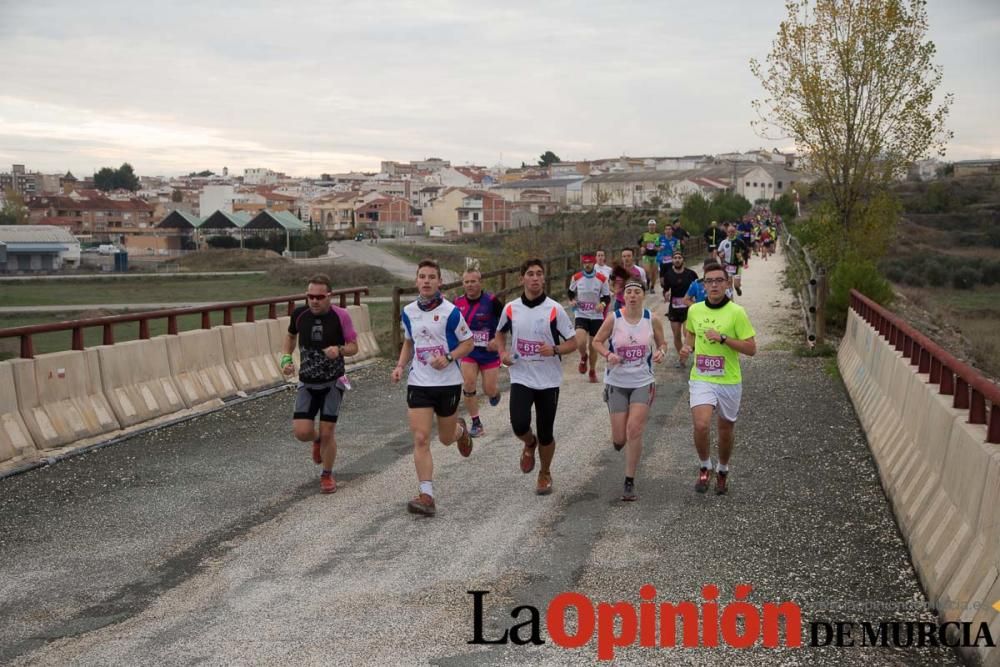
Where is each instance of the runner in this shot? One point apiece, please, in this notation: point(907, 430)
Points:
point(732, 252)
point(650, 245)
point(680, 233)
point(718, 331)
point(713, 237)
point(325, 336)
point(631, 340)
point(745, 233)
point(628, 261)
point(668, 244)
point(767, 240)
point(619, 276)
point(481, 312)
point(539, 331)
point(600, 266)
point(589, 295)
point(676, 280)
point(436, 336)
point(696, 292)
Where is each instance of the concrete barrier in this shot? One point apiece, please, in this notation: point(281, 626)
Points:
point(251, 362)
point(15, 441)
point(359, 318)
point(61, 399)
point(198, 366)
point(940, 475)
point(137, 382)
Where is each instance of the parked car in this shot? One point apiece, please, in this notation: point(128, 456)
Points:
point(359, 237)
point(107, 249)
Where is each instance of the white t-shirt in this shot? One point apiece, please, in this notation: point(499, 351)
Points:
point(638, 269)
point(633, 343)
point(530, 327)
point(604, 270)
point(589, 292)
point(434, 332)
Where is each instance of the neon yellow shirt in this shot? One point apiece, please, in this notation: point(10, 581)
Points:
point(649, 242)
point(715, 362)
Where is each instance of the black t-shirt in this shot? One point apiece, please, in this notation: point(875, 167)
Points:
point(677, 283)
point(316, 333)
point(681, 234)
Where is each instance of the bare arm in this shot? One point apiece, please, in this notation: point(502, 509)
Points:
point(405, 354)
point(603, 334)
point(463, 349)
point(747, 347)
point(661, 344)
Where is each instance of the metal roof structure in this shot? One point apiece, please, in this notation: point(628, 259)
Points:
point(277, 220)
point(223, 220)
point(17, 234)
point(178, 219)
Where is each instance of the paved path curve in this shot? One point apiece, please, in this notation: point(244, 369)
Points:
point(207, 542)
point(362, 252)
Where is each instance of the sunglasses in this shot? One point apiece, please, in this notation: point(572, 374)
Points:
point(714, 281)
point(316, 297)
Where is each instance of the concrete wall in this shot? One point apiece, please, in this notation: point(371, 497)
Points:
point(941, 477)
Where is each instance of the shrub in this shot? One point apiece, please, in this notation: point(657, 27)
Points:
point(318, 250)
point(965, 278)
point(853, 272)
point(223, 242)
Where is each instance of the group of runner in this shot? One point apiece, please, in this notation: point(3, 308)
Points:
point(448, 346)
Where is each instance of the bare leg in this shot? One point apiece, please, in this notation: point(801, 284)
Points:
point(701, 416)
point(637, 414)
point(421, 421)
point(725, 439)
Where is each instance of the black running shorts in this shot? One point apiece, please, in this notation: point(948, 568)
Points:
point(588, 325)
point(444, 400)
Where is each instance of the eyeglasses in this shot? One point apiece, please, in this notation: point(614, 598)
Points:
point(714, 281)
point(316, 297)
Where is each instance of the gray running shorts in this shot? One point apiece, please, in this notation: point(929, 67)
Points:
point(620, 398)
point(323, 399)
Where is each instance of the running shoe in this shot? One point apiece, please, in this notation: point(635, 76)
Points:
point(593, 377)
point(721, 485)
point(583, 364)
point(528, 458)
point(739, 291)
point(477, 429)
point(327, 484)
point(495, 400)
point(544, 486)
point(422, 504)
point(628, 495)
point(704, 477)
point(317, 455)
point(465, 441)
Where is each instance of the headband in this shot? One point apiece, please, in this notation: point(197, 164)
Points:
point(634, 283)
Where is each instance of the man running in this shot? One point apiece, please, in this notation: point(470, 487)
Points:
point(668, 244)
point(696, 292)
point(631, 340)
point(539, 331)
point(680, 233)
point(325, 335)
point(628, 261)
point(649, 242)
point(600, 266)
point(718, 331)
point(481, 312)
point(436, 338)
point(713, 237)
point(732, 253)
point(589, 295)
point(676, 279)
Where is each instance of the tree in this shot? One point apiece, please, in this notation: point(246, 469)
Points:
point(13, 211)
point(852, 82)
point(105, 179)
point(176, 196)
point(112, 179)
point(201, 174)
point(547, 158)
point(695, 212)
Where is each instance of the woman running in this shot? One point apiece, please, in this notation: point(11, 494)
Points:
point(631, 340)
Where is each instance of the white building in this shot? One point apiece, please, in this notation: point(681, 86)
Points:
point(216, 198)
point(37, 248)
point(259, 176)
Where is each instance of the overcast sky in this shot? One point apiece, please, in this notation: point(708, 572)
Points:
point(319, 87)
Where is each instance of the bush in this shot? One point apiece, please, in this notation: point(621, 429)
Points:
point(318, 250)
point(965, 278)
point(223, 242)
point(784, 206)
point(853, 272)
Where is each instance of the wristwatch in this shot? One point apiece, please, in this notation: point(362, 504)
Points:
point(723, 338)
point(449, 357)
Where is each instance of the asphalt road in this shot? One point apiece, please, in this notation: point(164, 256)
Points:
point(363, 252)
point(207, 542)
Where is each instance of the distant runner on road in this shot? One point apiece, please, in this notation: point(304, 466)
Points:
point(436, 337)
point(718, 332)
point(631, 340)
point(676, 279)
point(539, 330)
point(649, 243)
point(589, 295)
point(325, 335)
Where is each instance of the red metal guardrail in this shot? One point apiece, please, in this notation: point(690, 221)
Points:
point(170, 314)
point(970, 389)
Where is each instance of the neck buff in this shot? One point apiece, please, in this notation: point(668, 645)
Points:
point(722, 303)
point(430, 303)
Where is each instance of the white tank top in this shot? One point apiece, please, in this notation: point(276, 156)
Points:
point(633, 343)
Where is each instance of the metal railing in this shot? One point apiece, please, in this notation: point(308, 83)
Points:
point(812, 291)
point(970, 389)
point(171, 315)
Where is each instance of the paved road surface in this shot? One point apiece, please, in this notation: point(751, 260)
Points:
point(207, 543)
point(362, 252)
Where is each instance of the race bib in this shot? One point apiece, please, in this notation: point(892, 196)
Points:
point(529, 348)
point(650, 246)
point(586, 306)
point(731, 269)
point(677, 302)
point(425, 354)
point(709, 365)
point(632, 354)
point(481, 337)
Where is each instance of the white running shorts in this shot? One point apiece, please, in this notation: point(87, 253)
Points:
point(725, 397)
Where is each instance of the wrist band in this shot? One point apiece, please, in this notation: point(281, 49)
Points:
point(285, 360)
